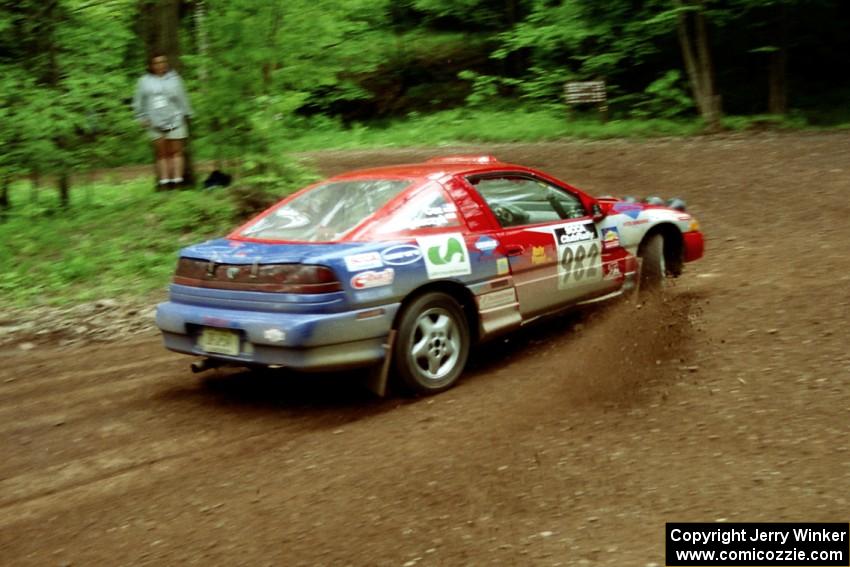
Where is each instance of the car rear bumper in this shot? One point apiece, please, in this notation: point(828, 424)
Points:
point(306, 341)
point(694, 246)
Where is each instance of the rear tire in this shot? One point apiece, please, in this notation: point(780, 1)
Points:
point(653, 272)
point(432, 344)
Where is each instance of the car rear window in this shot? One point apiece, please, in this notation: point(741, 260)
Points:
point(325, 212)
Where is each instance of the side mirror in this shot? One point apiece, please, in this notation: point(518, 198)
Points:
point(596, 212)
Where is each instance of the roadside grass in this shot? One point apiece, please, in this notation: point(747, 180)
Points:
point(460, 126)
point(116, 240)
point(470, 126)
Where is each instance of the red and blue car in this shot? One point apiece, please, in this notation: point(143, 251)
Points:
point(406, 267)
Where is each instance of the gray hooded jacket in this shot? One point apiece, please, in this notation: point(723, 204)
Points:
point(161, 100)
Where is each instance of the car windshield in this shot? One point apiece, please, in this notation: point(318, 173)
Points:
point(326, 212)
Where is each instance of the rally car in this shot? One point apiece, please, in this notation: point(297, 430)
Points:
point(404, 268)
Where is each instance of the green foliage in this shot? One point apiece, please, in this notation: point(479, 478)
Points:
point(122, 242)
point(583, 38)
point(264, 179)
point(63, 85)
point(267, 76)
point(268, 58)
point(467, 125)
point(665, 97)
point(486, 89)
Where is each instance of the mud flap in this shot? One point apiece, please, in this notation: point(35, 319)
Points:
point(639, 261)
point(378, 375)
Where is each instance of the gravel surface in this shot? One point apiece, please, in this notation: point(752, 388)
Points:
point(569, 443)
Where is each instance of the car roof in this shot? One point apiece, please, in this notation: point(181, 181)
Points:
point(435, 167)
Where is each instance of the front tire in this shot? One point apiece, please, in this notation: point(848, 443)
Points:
point(653, 272)
point(432, 344)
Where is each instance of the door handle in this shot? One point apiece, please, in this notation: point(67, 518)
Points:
point(514, 250)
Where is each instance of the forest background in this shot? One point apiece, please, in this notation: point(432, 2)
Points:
point(270, 77)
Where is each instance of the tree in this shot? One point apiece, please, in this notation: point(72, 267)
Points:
point(160, 29)
point(692, 30)
point(62, 75)
point(268, 59)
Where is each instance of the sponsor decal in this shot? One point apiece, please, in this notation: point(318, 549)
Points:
point(610, 238)
point(538, 255)
point(612, 271)
point(486, 244)
point(365, 261)
point(635, 222)
point(684, 217)
point(445, 255)
point(274, 335)
point(579, 254)
point(441, 215)
point(426, 222)
point(372, 278)
point(631, 210)
point(575, 232)
point(448, 210)
point(502, 266)
point(401, 255)
point(496, 299)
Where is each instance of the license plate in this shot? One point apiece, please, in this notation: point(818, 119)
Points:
point(219, 341)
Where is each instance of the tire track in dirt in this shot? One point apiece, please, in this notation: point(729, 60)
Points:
point(64, 380)
point(145, 435)
point(111, 473)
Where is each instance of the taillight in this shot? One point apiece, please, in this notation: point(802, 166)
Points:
point(286, 278)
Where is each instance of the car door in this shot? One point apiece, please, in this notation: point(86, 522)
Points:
point(553, 246)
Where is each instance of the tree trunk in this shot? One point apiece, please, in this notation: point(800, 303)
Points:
point(161, 29)
point(64, 190)
point(35, 183)
point(513, 65)
point(64, 145)
point(777, 94)
point(5, 203)
point(777, 97)
point(696, 52)
point(202, 38)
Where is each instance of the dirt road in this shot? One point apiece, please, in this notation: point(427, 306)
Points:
point(570, 444)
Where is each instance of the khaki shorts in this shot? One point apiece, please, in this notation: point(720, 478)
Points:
point(178, 133)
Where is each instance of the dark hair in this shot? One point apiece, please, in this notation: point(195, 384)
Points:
point(153, 56)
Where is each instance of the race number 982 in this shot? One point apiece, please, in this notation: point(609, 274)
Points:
point(579, 263)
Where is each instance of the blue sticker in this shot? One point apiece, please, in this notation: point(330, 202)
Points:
point(486, 244)
point(401, 255)
point(631, 210)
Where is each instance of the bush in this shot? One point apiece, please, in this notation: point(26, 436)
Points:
point(665, 97)
point(264, 180)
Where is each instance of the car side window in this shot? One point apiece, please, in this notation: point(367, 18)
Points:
point(518, 201)
point(428, 209)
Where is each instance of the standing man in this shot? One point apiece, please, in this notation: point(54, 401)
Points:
point(161, 105)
